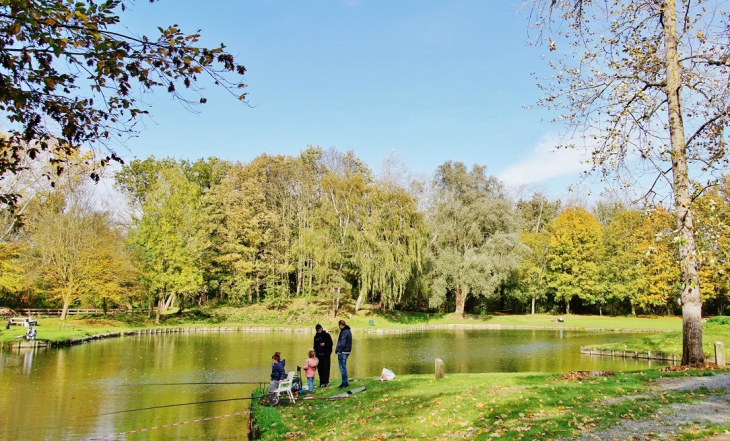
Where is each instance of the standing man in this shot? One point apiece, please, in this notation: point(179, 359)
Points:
point(343, 349)
point(323, 349)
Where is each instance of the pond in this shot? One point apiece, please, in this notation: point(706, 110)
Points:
point(86, 391)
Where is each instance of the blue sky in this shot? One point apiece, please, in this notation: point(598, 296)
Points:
point(432, 80)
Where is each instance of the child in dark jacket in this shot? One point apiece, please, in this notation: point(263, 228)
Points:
point(277, 373)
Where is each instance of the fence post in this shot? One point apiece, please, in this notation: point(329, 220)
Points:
point(439, 369)
point(720, 354)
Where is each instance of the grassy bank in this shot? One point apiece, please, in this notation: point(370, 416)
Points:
point(714, 329)
point(305, 314)
point(480, 406)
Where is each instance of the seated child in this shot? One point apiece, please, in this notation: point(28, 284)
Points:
point(310, 367)
point(277, 374)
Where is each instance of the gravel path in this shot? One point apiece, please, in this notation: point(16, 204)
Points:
point(671, 420)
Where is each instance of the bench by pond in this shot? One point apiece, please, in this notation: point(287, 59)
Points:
point(23, 321)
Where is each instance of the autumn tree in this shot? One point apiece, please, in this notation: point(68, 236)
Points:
point(644, 83)
point(713, 239)
point(75, 250)
point(537, 213)
point(621, 267)
point(533, 268)
point(474, 243)
point(168, 241)
point(72, 74)
point(658, 251)
point(344, 188)
point(390, 244)
point(575, 247)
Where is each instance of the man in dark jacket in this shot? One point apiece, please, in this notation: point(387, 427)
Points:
point(323, 349)
point(343, 349)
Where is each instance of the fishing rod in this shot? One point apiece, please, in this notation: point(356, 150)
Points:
point(202, 383)
point(181, 404)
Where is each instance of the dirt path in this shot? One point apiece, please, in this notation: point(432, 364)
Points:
point(673, 420)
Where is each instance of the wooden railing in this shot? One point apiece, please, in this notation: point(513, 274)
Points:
point(47, 312)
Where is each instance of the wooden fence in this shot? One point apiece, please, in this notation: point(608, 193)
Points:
point(47, 312)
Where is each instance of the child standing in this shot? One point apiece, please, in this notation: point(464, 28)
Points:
point(310, 366)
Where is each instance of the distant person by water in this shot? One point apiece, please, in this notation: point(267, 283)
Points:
point(323, 349)
point(343, 349)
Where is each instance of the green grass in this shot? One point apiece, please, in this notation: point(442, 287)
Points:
point(506, 406)
point(301, 313)
point(715, 329)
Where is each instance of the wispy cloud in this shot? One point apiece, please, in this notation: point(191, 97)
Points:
point(545, 162)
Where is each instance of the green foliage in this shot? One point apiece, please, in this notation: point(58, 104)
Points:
point(475, 246)
point(719, 320)
point(168, 241)
point(620, 267)
point(318, 227)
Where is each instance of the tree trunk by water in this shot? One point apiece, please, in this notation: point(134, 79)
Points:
point(692, 354)
point(460, 301)
point(64, 313)
point(567, 306)
point(182, 303)
point(533, 306)
point(633, 309)
point(358, 302)
point(160, 304)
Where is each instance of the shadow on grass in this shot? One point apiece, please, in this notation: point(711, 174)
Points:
point(411, 318)
point(140, 319)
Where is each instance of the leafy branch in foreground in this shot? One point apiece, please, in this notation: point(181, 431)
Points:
point(70, 77)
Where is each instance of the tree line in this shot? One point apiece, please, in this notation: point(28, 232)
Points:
point(322, 225)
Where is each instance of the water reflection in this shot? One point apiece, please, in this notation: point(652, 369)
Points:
point(77, 390)
point(27, 361)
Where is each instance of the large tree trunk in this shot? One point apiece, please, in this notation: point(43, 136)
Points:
point(460, 301)
point(357, 303)
point(692, 354)
point(64, 313)
point(533, 306)
point(567, 306)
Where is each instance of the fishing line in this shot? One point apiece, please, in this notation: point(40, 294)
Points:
point(181, 404)
point(213, 382)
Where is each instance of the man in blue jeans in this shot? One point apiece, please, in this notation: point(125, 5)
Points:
point(343, 349)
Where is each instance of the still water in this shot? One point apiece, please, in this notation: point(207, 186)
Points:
point(84, 391)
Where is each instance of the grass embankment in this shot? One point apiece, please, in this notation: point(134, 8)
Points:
point(483, 406)
point(301, 313)
point(714, 329)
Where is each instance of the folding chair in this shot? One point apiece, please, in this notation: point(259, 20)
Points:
point(285, 386)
